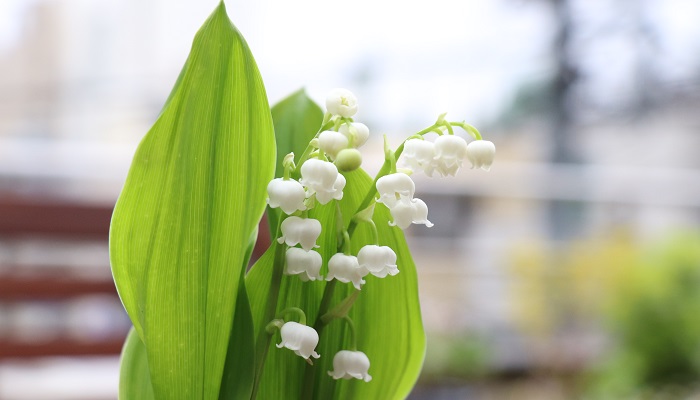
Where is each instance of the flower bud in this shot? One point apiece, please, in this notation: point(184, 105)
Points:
point(348, 160)
point(341, 102)
point(357, 133)
point(481, 154)
point(350, 364)
point(299, 338)
point(331, 142)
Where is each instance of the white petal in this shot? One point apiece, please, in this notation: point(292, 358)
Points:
point(341, 102)
point(419, 213)
point(287, 194)
point(419, 154)
point(450, 151)
point(304, 231)
point(345, 268)
point(350, 364)
point(299, 338)
point(331, 142)
point(380, 261)
point(481, 154)
point(393, 187)
point(359, 133)
point(306, 264)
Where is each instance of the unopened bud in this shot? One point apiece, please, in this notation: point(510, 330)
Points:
point(348, 160)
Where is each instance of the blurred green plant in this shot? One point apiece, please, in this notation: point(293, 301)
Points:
point(656, 322)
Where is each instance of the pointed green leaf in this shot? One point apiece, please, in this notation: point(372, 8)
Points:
point(134, 377)
point(194, 195)
point(386, 314)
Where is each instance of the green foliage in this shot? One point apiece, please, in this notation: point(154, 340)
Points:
point(387, 313)
point(655, 319)
point(183, 230)
point(180, 232)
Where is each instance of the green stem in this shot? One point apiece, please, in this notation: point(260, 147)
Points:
point(293, 310)
point(262, 342)
point(353, 335)
point(305, 155)
point(369, 197)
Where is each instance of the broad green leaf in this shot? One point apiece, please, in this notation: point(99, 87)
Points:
point(194, 195)
point(237, 379)
point(134, 378)
point(386, 314)
point(296, 120)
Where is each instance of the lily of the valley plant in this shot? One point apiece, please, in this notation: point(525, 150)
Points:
point(330, 310)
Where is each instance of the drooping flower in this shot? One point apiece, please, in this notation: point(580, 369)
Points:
point(481, 154)
point(350, 364)
point(306, 264)
point(379, 261)
point(357, 133)
point(322, 178)
point(419, 154)
point(331, 142)
point(395, 187)
point(346, 269)
point(299, 338)
point(304, 231)
point(341, 102)
point(286, 194)
point(409, 212)
point(450, 151)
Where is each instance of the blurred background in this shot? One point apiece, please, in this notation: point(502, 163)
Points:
point(570, 270)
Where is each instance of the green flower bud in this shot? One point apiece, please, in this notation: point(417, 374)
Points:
point(348, 160)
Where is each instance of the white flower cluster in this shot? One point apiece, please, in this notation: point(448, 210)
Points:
point(322, 180)
point(446, 154)
point(332, 152)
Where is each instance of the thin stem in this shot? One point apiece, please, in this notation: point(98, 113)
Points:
point(293, 310)
point(375, 233)
point(305, 155)
point(353, 333)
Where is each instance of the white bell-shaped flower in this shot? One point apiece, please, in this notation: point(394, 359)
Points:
point(304, 231)
point(481, 154)
point(407, 212)
point(331, 142)
point(346, 269)
point(379, 261)
point(419, 154)
point(299, 338)
point(350, 364)
point(395, 187)
point(306, 264)
point(357, 133)
point(450, 151)
point(322, 178)
point(341, 102)
point(286, 194)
